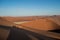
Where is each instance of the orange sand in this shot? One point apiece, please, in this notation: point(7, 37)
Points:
point(41, 24)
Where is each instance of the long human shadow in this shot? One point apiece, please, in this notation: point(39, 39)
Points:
point(21, 34)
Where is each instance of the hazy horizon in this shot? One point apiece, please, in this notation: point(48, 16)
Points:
point(29, 7)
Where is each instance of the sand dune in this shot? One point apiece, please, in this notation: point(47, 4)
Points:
point(29, 18)
point(55, 19)
point(5, 22)
point(24, 18)
point(41, 24)
point(38, 22)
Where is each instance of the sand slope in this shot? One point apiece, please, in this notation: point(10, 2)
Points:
point(41, 24)
point(5, 22)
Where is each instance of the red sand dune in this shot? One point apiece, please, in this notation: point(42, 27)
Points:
point(38, 22)
point(41, 24)
point(5, 22)
point(29, 18)
point(55, 19)
point(24, 18)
